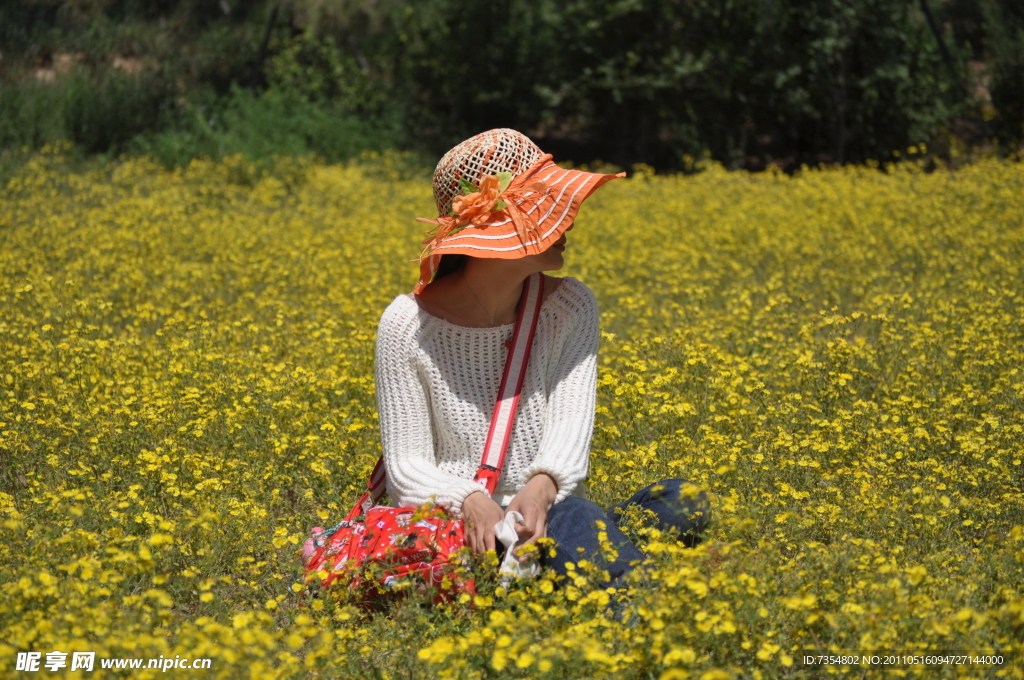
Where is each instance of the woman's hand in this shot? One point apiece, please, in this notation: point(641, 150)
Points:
point(533, 502)
point(479, 515)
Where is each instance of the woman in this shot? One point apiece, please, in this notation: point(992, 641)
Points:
point(505, 212)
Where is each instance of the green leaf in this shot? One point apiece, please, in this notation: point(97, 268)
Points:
point(500, 205)
point(466, 186)
point(504, 179)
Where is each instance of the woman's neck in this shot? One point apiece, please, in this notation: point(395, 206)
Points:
point(493, 293)
point(483, 294)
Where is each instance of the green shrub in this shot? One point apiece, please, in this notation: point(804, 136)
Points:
point(755, 82)
point(258, 126)
point(98, 112)
point(1006, 42)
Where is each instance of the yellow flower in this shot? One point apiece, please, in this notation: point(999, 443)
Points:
point(832, 360)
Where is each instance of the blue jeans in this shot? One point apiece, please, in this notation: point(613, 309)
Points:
point(572, 525)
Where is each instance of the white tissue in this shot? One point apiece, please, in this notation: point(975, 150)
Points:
point(511, 567)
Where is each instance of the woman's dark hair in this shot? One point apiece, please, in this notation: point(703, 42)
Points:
point(450, 264)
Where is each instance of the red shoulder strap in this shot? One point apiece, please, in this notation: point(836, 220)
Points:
point(496, 445)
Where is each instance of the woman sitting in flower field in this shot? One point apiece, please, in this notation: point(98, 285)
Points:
point(505, 209)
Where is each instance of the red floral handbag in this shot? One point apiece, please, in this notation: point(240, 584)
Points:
point(378, 546)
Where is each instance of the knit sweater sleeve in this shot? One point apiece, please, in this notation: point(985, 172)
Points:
point(564, 451)
point(413, 477)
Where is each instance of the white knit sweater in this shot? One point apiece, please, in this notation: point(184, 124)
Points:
point(436, 387)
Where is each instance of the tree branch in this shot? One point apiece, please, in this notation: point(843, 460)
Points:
point(257, 68)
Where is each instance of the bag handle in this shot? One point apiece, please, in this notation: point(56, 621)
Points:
point(503, 417)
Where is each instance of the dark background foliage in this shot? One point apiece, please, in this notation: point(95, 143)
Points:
point(754, 82)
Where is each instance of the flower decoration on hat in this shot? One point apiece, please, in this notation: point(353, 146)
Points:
point(477, 205)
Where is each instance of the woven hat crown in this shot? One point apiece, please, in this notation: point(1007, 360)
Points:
point(488, 153)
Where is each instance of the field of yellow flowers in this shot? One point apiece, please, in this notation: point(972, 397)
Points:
point(186, 362)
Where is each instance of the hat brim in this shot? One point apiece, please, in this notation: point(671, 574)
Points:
point(550, 213)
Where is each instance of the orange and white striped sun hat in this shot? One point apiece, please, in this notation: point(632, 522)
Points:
point(499, 196)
